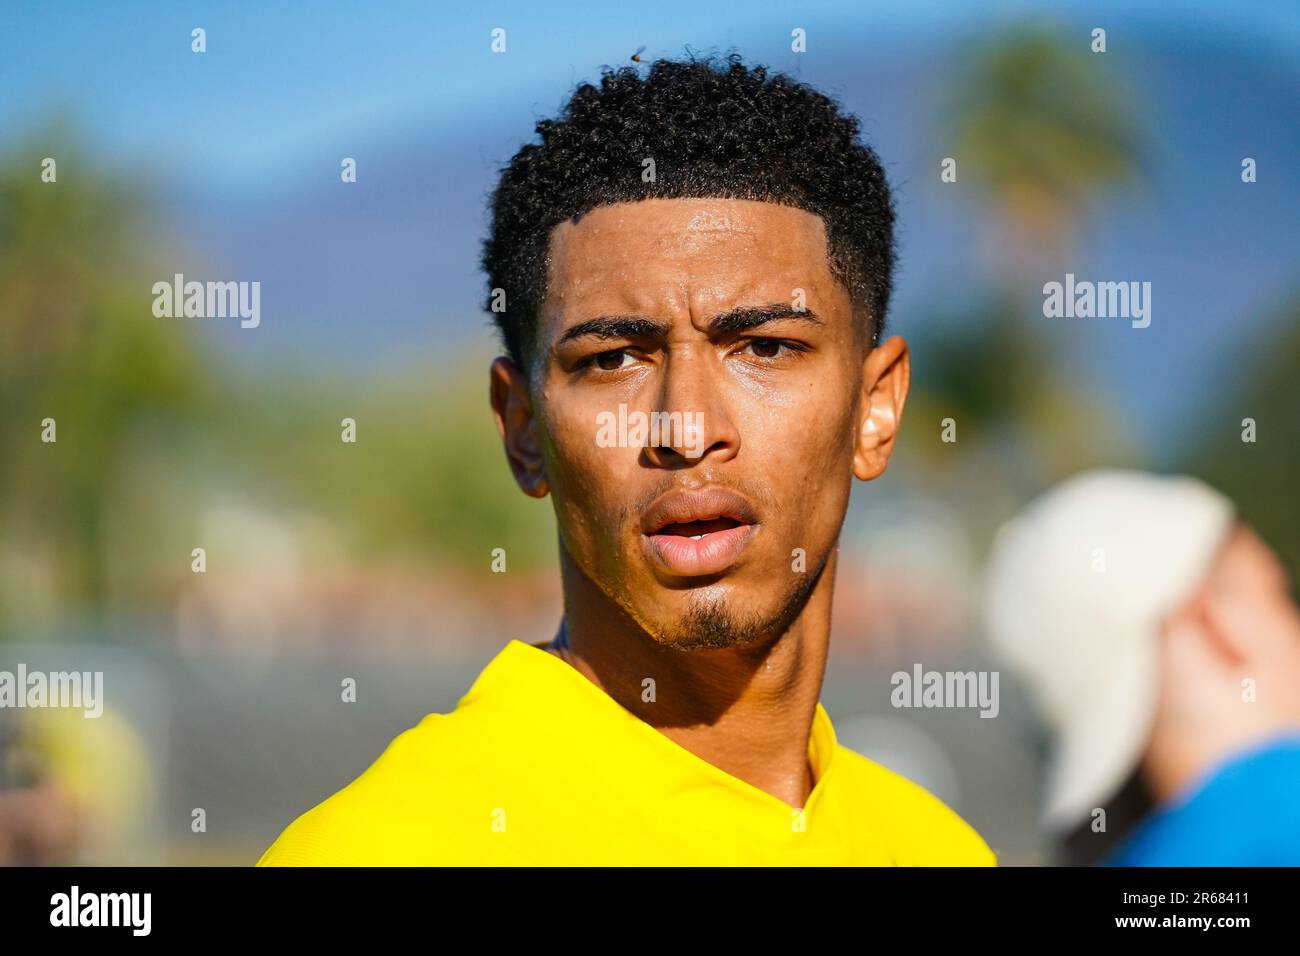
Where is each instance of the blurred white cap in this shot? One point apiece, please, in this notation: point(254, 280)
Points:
point(1076, 587)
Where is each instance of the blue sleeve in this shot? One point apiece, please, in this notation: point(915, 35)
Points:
point(1245, 813)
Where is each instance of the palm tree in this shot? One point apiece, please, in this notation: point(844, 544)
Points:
point(1043, 126)
point(1040, 129)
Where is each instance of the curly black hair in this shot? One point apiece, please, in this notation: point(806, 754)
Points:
point(715, 130)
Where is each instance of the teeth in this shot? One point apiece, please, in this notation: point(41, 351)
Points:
point(696, 537)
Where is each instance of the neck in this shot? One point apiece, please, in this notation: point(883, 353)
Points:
point(746, 710)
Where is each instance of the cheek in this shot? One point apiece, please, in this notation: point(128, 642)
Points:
point(802, 453)
point(589, 483)
point(806, 439)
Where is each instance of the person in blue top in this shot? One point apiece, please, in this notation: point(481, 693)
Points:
point(1225, 750)
point(1244, 811)
point(1161, 638)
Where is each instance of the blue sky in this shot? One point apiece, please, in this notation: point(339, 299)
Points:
point(279, 77)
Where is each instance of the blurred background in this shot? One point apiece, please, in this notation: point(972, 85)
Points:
point(372, 560)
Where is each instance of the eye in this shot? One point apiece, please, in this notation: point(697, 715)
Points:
point(611, 361)
point(771, 348)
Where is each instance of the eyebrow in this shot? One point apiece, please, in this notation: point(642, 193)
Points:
point(741, 319)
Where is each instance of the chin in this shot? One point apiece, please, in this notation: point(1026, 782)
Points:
point(713, 621)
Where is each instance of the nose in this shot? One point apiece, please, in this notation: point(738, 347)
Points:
point(695, 423)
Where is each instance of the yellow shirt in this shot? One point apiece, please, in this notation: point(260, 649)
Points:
point(538, 765)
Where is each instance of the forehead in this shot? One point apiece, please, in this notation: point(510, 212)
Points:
point(685, 252)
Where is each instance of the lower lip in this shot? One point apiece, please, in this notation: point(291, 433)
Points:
point(686, 557)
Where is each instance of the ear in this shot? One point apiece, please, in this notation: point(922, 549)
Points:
point(886, 375)
point(512, 406)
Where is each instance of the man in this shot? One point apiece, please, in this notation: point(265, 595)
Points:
point(1161, 638)
point(712, 246)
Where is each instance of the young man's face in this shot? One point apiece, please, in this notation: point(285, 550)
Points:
point(693, 306)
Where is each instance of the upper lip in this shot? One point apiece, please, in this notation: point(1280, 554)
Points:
point(676, 507)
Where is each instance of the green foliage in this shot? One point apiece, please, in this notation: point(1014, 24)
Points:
point(78, 344)
point(426, 480)
point(1262, 382)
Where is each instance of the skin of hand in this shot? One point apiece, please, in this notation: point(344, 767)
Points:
point(1229, 665)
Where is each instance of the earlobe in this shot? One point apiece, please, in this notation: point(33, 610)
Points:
point(886, 377)
point(512, 407)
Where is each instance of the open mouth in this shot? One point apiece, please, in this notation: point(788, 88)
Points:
point(695, 530)
point(698, 533)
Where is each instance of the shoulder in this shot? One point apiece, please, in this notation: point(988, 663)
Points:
point(920, 829)
point(388, 812)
